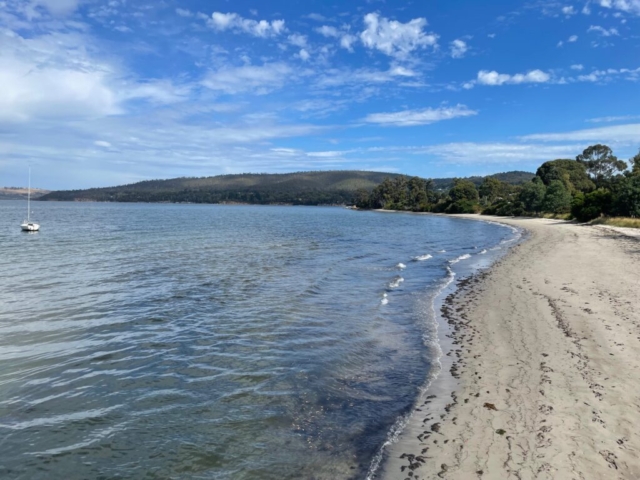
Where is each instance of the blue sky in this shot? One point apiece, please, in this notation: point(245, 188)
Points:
point(98, 93)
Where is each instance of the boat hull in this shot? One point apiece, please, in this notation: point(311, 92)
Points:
point(30, 227)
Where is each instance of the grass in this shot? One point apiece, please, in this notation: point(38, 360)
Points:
point(625, 222)
point(557, 216)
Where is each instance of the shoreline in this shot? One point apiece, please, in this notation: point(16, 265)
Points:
point(541, 340)
point(434, 401)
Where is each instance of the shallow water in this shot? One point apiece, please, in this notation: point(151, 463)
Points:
point(206, 341)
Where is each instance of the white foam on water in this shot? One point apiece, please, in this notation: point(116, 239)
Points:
point(461, 257)
point(422, 258)
point(384, 301)
point(396, 282)
point(442, 251)
point(483, 252)
point(401, 266)
point(400, 424)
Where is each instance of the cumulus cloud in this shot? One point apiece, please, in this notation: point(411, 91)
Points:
point(259, 80)
point(304, 55)
point(458, 48)
point(298, 40)
point(577, 66)
point(494, 78)
point(409, 118)
point(573, 38)
point(346, 40)
point(628, 6)
point(394, 38)
point(569, 10)
point(234, 22)
point(603, 31)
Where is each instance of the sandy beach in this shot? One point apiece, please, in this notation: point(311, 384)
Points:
point(541, 367)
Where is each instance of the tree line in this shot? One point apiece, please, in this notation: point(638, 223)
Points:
point(593, 184)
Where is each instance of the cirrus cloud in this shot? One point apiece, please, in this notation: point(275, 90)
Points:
point(410, 118)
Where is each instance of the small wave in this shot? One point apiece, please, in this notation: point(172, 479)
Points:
point(461, 257)
point(384, 301)
point(401, 266)
point(422, 258)
point(483, 252)
point(396, 282)
point(442, 251)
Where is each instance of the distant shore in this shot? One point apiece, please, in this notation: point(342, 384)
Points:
point(541, 371)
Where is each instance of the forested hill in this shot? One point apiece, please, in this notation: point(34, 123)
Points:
point(301, 188)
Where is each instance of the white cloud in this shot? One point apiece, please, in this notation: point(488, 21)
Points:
point(304, 55)
point(249, 78)
point(622, 118)
point(52, 76)
point(609, 74)
point(346, 39)
point(328, 31)
point(298, 40)
point(458, 48)
point(183, 12)
point(394, 38)
point(362, 77)
point(569, 10)
point(102, 143)
point(499, 153)
point(628, 6)
point(621, 134)
point(603, 31)
point(409, 118)
point(573, 38)
point(232, 21)
point(577, 67)
point(494, 78)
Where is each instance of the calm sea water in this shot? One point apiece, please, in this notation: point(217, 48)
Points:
point(216, 342)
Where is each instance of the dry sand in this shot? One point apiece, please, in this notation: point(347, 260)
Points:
point(544, 361)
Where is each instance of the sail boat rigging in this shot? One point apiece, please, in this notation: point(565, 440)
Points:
point(28, 225)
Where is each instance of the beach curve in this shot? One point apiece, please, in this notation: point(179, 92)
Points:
point(543, 370)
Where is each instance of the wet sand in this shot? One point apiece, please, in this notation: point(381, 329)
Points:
point(541, 372)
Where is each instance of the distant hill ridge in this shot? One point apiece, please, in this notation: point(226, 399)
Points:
point(18, 193)
point(300, 188)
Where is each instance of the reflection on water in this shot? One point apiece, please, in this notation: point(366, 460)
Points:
point(186, 341)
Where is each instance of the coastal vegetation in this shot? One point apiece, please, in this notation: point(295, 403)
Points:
point(301, 188)
point(593, 185)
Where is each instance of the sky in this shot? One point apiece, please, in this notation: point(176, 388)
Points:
point(98, 93)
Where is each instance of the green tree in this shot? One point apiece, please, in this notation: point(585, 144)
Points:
point(557, 199)
point(571, 173)
point(635, 164)
point(601, 163)
point(627, 197)
point(532, 195)
point(463, 190)
point(493, 189)
point(588, 206)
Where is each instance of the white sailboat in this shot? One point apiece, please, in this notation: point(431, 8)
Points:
point(28, 225)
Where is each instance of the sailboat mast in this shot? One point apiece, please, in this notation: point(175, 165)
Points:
point(29, 198)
